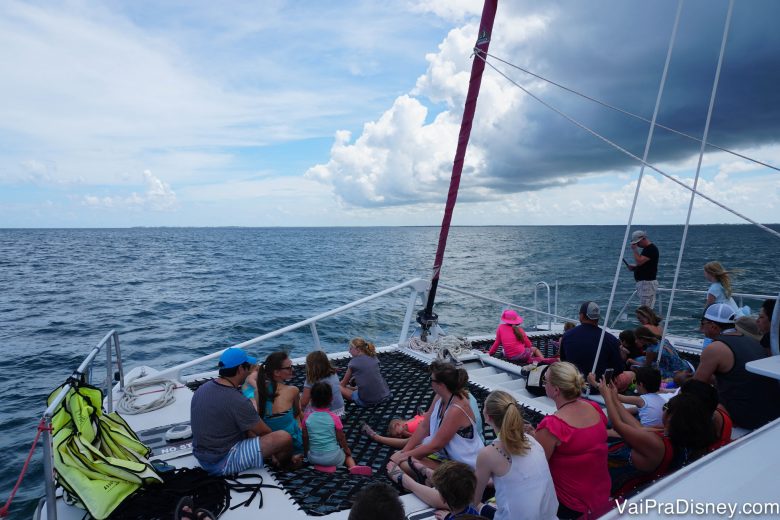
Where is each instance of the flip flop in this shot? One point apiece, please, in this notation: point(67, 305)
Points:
point(366, 471)
point(419, 476)
point(325, 469)
point(180, 514)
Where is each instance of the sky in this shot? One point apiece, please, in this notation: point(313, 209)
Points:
point(308, 113)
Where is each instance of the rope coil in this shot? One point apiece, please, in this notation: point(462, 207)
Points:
point(127, 404)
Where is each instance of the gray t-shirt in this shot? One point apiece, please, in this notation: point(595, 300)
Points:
point(372, 387)
point(220, 416)
point(338, 402)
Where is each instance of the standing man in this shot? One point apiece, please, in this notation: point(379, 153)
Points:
point(646, 267)
point(228, 435)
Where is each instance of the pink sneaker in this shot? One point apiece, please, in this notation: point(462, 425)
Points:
point(326, 469)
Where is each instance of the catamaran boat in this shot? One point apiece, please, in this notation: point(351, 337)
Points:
point(155, 401)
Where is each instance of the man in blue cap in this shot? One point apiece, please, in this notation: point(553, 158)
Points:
point(228, 435)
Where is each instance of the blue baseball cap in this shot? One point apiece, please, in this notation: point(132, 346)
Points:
point(233, 357)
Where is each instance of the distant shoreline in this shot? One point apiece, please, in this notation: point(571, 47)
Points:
point(640, 225)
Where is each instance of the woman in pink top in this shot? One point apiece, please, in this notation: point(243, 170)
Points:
point(575, 443)
point(517, 346)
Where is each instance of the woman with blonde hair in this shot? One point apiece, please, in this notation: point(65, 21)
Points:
point(720, 287)
point(575, 443)
point(517, 464)
point(370, 387)
point(648, 318)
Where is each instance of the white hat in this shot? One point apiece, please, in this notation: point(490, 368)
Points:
point(637, 235)
point(720, 313)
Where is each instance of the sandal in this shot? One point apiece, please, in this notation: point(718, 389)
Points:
point(185, 502)
point(419, 476)
point(396, 475)
point(367, 430)
point(361, 470)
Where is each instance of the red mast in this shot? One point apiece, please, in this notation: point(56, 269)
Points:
point(426, 318)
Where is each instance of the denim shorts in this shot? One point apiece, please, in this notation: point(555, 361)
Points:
point(356, 399)
point(327, 458)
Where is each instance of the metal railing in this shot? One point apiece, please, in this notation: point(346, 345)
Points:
point(536, 304)
point(506, 303)
point(82, 374)
point(419, 289)
point(739, 297)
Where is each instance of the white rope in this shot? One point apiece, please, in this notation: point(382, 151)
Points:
point(631, 114)
point(629, 154)
point(455, 345)
point(648, 142)
point(696, 179)
point(127, 404)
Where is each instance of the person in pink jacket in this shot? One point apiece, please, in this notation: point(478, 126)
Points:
point(509, 335)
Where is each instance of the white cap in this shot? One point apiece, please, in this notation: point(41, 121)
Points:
point(637, 235)
point(720, 313)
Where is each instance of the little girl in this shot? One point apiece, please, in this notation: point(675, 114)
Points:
point(323, 436)
point(517, 346)
point(364, 367)
point(319, 369)
point(719, 290)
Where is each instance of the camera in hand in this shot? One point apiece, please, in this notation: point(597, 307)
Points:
point(608, 375)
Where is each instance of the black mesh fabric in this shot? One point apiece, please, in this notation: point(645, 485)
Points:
point(320, 494)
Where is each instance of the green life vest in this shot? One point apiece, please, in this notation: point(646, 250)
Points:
point(98, 459)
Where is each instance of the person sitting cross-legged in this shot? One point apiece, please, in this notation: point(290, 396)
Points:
point(228, 436)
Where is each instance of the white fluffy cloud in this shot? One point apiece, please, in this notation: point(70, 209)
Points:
point(158, 197)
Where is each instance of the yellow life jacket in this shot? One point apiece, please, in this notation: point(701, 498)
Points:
point(98, 459)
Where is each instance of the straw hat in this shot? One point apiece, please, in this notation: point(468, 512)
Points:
point(748, 327)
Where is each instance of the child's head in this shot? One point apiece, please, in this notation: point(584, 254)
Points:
point(455, 482)
point(321, 395)
point(648, 379)
point(318, 366)
point(395, 428)
point(377, 501)
point(568, 326)
point(628, 339)
point(358, 346)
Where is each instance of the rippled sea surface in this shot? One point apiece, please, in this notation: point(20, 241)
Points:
point(175, 294)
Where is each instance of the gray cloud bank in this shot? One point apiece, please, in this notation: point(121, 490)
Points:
point(613, 51)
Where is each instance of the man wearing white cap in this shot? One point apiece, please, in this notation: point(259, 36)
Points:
point(646, 267)
point(228, 436)
point(750, 399)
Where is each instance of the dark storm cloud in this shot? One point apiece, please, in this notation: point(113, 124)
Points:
point(615, 51)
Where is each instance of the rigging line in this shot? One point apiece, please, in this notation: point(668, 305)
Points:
point(648, 142)
point(626, 152)
point(631, 114)
point(696, 179)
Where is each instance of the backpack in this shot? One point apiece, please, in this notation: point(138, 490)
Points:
point(208, 492)
point(535, 380)
point(159, 501)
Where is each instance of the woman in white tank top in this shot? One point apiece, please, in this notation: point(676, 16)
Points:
point(517, 464)
point(449, 430)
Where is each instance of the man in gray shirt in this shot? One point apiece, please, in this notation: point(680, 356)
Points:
point(228, 435)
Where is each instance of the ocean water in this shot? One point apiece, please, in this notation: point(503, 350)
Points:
point(177, 293)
